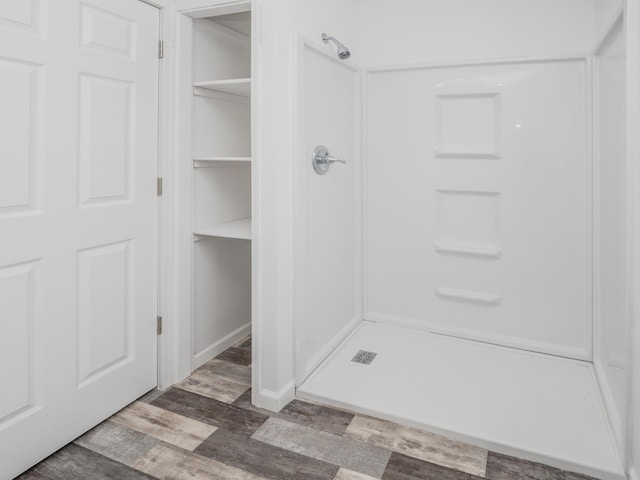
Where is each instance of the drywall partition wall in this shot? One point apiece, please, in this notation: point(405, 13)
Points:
point(281, 21)
point(476, 205)
point(416, 31)
point(612, 260)
point(327, 216)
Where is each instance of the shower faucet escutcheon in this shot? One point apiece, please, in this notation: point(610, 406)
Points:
point(322, 160)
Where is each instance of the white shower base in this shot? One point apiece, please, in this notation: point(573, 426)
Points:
point(538, 407)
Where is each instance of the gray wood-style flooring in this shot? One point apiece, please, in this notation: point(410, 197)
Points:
point(206, 428)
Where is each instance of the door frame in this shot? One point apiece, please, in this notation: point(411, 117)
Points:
point(175, 282)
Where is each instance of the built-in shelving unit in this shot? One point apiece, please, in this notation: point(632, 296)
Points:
point(221, 158)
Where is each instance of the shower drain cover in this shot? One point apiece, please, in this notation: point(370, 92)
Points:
point(364, 357)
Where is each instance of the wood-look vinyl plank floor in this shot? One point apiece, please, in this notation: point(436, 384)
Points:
point(76, 462)
point(241, 356)
point(214, 433)
point(165, 462)
point(213, 386)
point(210, 411)
point(231, 371)
point(117, 442)
point(422, 445)
point(310, 415)
point(337, 450)
point(263, 459)
point(164, 425)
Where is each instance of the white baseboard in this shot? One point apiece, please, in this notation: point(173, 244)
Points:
point(275, 401)
point(215, 349)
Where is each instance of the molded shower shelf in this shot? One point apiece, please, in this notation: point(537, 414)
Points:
point(240, 229)
point(236, 86)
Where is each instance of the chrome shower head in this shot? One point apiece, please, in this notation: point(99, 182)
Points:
point(343, 52)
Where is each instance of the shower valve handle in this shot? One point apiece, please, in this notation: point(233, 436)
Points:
point(330, 159)
point(322, 160)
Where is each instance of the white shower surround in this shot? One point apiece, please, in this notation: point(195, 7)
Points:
point(412, 45)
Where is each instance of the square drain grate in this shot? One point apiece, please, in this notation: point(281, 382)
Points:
point(364, 357)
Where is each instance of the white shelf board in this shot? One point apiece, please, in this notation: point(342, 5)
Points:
point(240, 229)
point(220, 161)
point(236, 86)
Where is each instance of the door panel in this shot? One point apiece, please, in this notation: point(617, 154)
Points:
point(78, 208)
point(476, 220)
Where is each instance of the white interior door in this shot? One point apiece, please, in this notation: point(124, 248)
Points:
point(78, 207)
point(477, 204)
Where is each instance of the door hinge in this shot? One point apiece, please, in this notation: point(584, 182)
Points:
point(159, 325)
point(159, 189)
point(160, 49)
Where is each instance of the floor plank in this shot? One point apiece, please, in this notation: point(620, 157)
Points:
point(213, 386)
point(151, 396)
point(308, 414)
point(210, 411)
point(241, 356)
point(245, 343)
point(504, 467)
point(117, 442)
point(402, 467)
point(164, 425)
point(263, 459)
point(340, 451)
point(76, 462)
point(230, 371)
point(170, 463)
point(419, 444)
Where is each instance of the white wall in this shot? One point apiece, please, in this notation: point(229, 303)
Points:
point(281, 20)
point(327, 242)
point(611, 253)
point(414, 31)
point(605, 13)
point(476, 218)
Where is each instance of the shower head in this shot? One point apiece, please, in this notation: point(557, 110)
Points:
point(343, 52)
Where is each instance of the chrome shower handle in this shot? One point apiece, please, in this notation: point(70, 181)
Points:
point(322, 160)
point(330, 159)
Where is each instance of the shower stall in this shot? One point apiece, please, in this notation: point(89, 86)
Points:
point(467, 268)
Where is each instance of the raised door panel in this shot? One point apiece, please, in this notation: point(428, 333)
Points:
point(78, 207)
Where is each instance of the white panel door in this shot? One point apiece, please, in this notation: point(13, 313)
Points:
point(477, 203)
point(78, 134)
